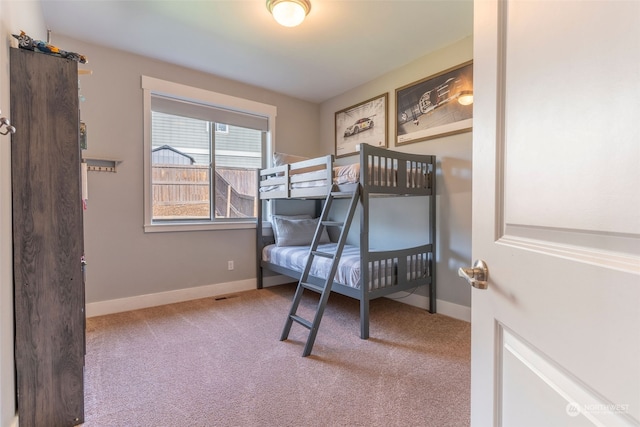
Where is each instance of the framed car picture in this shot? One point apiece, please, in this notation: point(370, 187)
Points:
point(436, 106)
point(365, 122)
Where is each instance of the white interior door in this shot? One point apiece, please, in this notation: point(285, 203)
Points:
point(556, 213)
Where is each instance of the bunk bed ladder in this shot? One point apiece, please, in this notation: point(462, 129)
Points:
point(323, 290)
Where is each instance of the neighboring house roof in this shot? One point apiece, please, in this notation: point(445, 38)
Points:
point(160, 155)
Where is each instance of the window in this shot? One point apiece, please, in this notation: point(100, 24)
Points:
point(203, 151)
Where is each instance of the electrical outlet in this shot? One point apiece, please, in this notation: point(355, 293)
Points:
point(230, 265)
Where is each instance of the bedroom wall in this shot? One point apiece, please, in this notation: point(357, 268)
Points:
point(124, 263)
point(453, 172)
point(14, 16)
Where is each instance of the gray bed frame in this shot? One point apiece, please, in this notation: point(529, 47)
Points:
point(383, 172)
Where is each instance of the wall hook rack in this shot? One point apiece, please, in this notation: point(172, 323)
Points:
point(98, 164)
point(4, 122)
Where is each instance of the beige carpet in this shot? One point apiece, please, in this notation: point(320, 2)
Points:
point(219, 362)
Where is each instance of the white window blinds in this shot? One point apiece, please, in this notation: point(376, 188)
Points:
point(211, 113)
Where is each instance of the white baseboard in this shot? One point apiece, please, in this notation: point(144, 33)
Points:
point(457, 311)
point(101, 308)
point(161, 298)
point(446, 308)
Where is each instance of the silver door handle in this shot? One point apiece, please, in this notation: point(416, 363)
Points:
point(477, 276)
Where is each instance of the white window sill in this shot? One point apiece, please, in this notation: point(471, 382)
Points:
point(198, 226)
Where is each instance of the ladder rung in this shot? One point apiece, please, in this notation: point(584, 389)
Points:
point(300, 320)
point(333, 223)
point(323, 254)
point(319, 289)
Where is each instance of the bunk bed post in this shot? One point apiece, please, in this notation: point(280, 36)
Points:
point(364, 263)
point(259, 238)
point(364, 244)
point(432, 232)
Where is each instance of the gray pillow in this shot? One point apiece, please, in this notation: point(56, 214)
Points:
point(298, 232)
point(274, 225)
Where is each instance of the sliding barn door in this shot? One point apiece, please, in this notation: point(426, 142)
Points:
point(47, 240)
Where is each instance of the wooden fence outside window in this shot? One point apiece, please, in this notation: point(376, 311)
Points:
point(181, 191)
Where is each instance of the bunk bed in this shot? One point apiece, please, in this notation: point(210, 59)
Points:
point(362, 273)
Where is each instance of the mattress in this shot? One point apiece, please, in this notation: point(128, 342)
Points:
point(295, 258)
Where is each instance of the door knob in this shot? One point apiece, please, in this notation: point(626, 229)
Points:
point(477, 275)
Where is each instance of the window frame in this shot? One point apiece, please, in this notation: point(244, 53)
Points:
point(151, 85)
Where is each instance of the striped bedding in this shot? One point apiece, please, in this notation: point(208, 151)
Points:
point(382, 273)
point(295, 258)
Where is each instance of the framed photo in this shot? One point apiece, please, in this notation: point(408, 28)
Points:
point(436, 106)
point(365, 122)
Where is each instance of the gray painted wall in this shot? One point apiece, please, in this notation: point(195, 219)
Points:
point(123, 261)
point(159, 262)
point(454, 164)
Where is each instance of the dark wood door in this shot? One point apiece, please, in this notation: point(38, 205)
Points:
point(47, 240)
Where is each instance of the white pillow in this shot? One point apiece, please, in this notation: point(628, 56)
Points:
point(280, 159)
point(298, 232)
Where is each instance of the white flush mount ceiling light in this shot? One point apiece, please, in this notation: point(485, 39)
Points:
point(289, 12)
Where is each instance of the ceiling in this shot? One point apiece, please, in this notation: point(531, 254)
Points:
point(342, 43)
